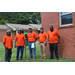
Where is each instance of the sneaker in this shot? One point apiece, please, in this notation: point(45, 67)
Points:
point(29, 57)
point(16, 59)
point(44, 58)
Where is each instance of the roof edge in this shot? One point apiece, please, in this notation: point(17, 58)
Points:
point(14, 29)
point(33, 26)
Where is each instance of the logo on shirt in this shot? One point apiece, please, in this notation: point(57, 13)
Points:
point(10, 38)
point(53, 32)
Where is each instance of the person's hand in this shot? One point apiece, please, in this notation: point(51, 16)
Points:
point(58, 42)
point(38, 42)
point(12, 46)
point(5, 47)
point(58, 39)
point(15, 46)
point(45, 42)
point(24, 45)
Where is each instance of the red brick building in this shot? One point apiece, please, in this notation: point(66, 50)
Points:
point(64, 22)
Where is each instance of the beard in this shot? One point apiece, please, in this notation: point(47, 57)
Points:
point(51, 30)
point(42, 32)
point(8, 34)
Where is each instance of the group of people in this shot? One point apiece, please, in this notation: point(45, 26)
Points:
point(53, 37)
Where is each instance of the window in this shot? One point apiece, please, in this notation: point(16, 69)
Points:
point(11, 33)
point(66, 18)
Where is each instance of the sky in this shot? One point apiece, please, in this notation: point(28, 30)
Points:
point(65, 12)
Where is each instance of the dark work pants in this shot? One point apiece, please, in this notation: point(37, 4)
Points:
point(8, 53)
point(53, 46)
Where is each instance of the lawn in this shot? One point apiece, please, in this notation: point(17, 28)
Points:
point(38, 56)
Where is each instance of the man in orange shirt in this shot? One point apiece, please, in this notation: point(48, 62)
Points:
point(54, 39)
point(20, 39)
point(42, 38)
point(32, 37)
point(8, 44)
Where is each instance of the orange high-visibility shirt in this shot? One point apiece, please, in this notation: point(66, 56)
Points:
point(42, 37)
point(31, 37)
point(53, 36)
point(8, 40)
point(20, 39)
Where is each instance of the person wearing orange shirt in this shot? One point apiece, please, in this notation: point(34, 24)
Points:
point(20, 39)
point(54, 39)
point(32, 37)
point(8, 44)
point(42, 38)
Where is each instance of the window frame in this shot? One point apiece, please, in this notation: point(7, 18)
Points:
point(60, 15)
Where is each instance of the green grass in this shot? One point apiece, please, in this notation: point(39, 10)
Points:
point(38, 56)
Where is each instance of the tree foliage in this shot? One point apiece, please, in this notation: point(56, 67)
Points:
point(20, 17)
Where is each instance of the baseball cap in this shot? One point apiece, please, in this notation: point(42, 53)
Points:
point(8, 31)
point(20, 29)
point(41, 28)
point(30, 28)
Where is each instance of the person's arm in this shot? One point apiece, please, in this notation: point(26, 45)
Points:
point(4, 40)
point(58, 39)
point(27, 37)
point(4, 44)
point(46, 38)
point(25, 42)
point(12, 45)
point(58, 36)
point(38, 39)
point(35, 37)
point(15, 43)
point(12, 42)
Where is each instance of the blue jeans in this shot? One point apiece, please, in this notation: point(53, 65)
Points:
point(18, 49)
point(30, 49)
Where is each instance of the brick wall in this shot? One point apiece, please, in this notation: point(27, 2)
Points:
point(36, 31)
point(66, 48)
point(13, 34)
point(2, 34)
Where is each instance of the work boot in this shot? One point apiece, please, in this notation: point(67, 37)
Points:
point(20, 58)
